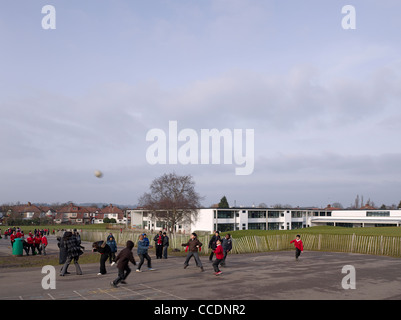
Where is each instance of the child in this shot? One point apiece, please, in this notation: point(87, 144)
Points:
point(193, 246)
point(143, 247)
point(299, 247)
point(30, 245)
point(105, 251)
point(122, 259)
point(37, 241)
point(227, 247)
point(44, 244)
point(219, 257)
point(111, 242)
point(73, 250)
point(213, 244)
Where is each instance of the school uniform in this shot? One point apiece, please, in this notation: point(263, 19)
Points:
point(299, 247)
point(37, 241)
point(219, 257)
point(44, 244)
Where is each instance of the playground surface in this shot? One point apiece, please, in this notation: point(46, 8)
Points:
point(259, 276)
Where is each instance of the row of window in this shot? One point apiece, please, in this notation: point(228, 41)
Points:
point(254, 214)
point(224, 227)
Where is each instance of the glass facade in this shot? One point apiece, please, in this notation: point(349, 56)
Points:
point(223, 227)
point(273, 226)
point(225, 214)
point(378, 213)
point(256, 214)
point(257, 226)
point(273, 214)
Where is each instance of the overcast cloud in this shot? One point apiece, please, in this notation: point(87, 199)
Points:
point(325, 103)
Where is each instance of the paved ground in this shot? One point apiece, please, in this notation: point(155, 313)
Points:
point(274, 275)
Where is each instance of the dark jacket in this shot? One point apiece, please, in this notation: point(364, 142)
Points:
point(213, 242)
point(166, 242)
point(101, 247)
point(72, 246)
point(192, 245)
point(111, 242)
point(63, 252)
point(227, 244)
point(125, 256)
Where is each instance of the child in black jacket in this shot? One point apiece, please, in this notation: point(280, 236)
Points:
point(123, 259)
point(105, 251)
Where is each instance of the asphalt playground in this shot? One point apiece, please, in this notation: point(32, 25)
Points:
point(261, 276)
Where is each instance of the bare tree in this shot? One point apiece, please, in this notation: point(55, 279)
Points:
point(172, 199)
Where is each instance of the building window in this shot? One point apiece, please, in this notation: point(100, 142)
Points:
point(344, 224)
point(256, 214)
point(273, 214)
point(274, 226)
point(223, 227)
point(223, 214)
point(296, 225)
point(296, 214)
point(378, 213)
point(256, 226)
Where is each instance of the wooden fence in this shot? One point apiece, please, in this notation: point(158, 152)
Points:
point(376, 245)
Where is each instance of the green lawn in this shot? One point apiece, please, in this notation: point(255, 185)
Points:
point(385, 231)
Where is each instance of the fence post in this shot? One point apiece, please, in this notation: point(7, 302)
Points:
point(352, 242)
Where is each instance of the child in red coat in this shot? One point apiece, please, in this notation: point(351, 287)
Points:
point(299, 246)
point(219, 257)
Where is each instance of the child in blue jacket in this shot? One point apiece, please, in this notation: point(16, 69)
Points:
point(143, 247)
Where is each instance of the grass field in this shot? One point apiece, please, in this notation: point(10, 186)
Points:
point(378, 231)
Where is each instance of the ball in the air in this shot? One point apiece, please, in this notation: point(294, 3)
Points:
point(98, 174)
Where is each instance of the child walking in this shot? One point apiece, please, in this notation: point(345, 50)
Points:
point(299, 246)
point(193, 246)
point(219, 257)
point(123, 259)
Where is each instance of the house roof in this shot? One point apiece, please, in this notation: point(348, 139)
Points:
point(111, 209)
point(71, 208)
point(26, 208)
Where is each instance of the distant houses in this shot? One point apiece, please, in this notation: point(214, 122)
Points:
point(67, 214)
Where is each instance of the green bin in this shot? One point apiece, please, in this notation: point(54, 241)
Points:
point(18, 247)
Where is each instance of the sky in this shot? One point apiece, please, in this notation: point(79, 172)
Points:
point(324, 102)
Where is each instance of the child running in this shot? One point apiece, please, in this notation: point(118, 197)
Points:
point(219, 257)
point(123, 259)
point(143, 247)
point(299, 247)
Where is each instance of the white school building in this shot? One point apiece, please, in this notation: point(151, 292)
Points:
point(250, 218)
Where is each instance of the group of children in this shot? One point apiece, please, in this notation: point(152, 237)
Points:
point(36, 241)
point(220, 247)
